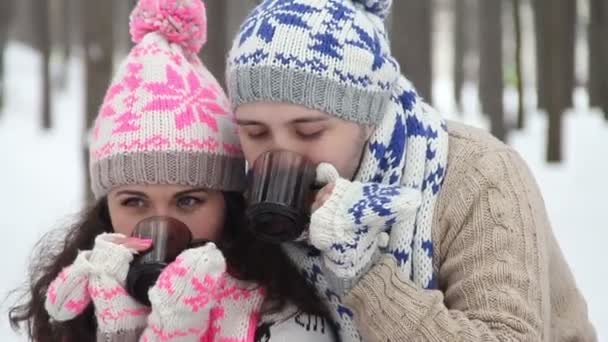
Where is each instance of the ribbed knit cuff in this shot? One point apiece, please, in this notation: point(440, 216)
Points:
point(216, 172)
point(386, 306)
point(274, 84)
point(122, 336)
point(328, 223)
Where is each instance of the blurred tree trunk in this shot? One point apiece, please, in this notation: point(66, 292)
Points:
point(67, 41)
point(598, 55)
point(569, 20)
point(558, 24)
point(75, 24)
point(214, 51)
point(539, 18)
point(41, 14)
point(490, 65)
point(122, 37)
point(6, 12)
point(460, 48)
point(98, 51)
point(466, 45)
point(412, 42)
point(60, 40)
point(238, 10)
point(2, 47)
point(224, 19)
point(542, 9)
point(519, 63)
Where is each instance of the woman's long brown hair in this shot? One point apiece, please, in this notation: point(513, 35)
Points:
point(252, 260)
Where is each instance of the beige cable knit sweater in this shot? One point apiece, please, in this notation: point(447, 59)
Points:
point(502, 276)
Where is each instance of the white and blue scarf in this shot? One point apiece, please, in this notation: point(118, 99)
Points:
point(409, 148)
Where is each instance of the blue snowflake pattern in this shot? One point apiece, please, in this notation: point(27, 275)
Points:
point(401, 256)
point(376, 198)
point(371, 44)
point(344, 311)
point(346, 246)
point(385, 85)
point(313, 276)
point(416, 128)
point(391, 155)
point(326, 42)
point(315, 64)
point(407, 100)
point(363, 81)
point(256, 57)
point(265, 19)
point(427, 245)
point(435, 180)
point(430, 153)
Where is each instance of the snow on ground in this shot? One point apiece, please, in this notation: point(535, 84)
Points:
point(40, 172)
point(41, 177)
point(574, 191)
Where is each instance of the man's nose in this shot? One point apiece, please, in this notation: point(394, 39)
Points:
point(287, 143)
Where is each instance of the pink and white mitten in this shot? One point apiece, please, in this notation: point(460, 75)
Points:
point(117, 313)
point(195, 299)
point(68, 295)
point(183, 296)
point(237, 312)
point(99, 275)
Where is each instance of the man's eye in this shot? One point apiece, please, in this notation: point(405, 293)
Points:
point(308, 134)
point(257, 134)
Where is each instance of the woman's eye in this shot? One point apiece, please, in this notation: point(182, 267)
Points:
point(188, 202)
point(134, 202)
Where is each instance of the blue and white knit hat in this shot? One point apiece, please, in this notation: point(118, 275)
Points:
point(338, 58)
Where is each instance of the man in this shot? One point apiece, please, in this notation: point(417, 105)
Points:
point(471, 255)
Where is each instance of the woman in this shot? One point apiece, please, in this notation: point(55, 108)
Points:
point(164, 144)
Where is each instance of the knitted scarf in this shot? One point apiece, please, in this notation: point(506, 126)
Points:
point(409, 148)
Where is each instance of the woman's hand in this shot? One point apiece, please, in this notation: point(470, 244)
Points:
point(195, 299)
point(99, 276)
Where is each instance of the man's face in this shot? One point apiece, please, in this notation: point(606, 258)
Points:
point(316, 135)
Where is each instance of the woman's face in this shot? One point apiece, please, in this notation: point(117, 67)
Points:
point(203, 211)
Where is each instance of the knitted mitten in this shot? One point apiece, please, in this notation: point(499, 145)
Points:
point(67, 295)
point(353, 224)
point(237, 312)
point(98, 275)
point(195, 299)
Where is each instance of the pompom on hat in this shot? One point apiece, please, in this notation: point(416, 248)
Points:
point(381, 8)
point(165, 119)
point(180, 22)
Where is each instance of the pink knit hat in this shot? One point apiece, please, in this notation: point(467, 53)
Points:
point(165, 119)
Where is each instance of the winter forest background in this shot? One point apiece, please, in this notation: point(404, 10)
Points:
point(533, 72)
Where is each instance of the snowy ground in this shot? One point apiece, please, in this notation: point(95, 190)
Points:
point(41, 178)
point(40, 172)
